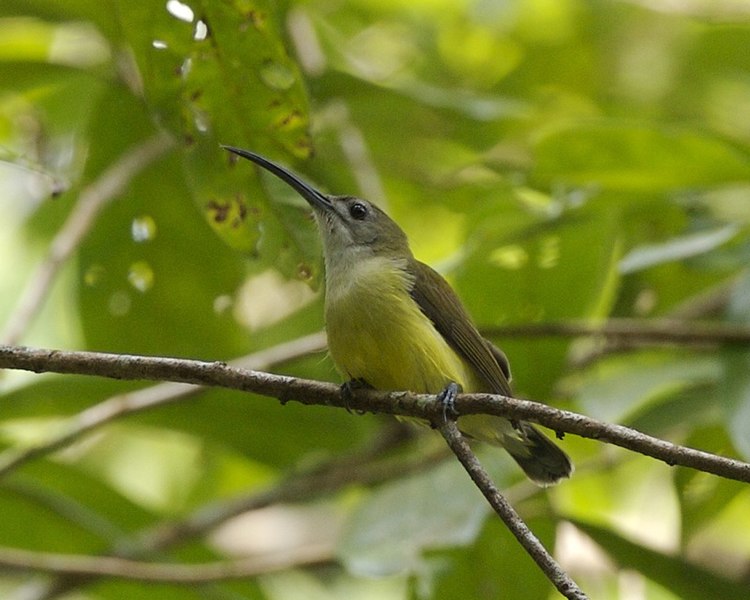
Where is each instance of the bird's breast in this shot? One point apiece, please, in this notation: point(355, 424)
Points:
point(377, 332)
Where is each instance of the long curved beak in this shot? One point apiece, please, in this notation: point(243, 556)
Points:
point(315, 198)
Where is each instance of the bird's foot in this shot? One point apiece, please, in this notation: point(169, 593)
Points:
point(348, 388)
point(448, 399)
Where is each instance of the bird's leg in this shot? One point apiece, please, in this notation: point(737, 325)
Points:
point(448, 398)
point(348, 388)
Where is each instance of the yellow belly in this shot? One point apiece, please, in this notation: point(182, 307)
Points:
point(377, 333)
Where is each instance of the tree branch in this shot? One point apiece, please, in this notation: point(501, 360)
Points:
point(308, 392)
point(91, 200)
point(670, 331)
point(150, 397)
point(549, 566)
point(111, 566)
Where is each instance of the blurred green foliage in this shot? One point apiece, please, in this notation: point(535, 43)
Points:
point(556, 159)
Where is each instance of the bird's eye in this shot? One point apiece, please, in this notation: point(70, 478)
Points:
point(358, 211)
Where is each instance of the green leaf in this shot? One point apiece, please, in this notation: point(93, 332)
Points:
point(703, 497)
point(673, 410)
point(528, 268)
point(676, 574)
point(70, 12)
point(635, 157)
point(495, 566)
point(224, 77)
point(134, 296)
point(392, 528)
point(617, 388)
point(58, 508)
point(262, 429)
point(677, 249)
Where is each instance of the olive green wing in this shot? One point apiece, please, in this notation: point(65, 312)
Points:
point(441, 305)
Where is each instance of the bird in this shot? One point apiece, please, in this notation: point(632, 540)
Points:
point(394, 323)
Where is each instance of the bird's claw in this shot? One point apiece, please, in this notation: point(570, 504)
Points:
point(347, 391)
point(448, 399)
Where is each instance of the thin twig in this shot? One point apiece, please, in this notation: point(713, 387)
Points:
point(363, 468)
point(333, 476)
point(80, 220)
point(308, 392)
point(671, 331)
point(158, 395)
point(549, 566)
point(180, 573)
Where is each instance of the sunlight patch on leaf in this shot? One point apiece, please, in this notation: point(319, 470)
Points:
point(269, 298)
point(391, 529)
point(155, 468)
point(677, 248)
point(689, 580)
point(509, 257)
point(72, 44)
point(617, 388)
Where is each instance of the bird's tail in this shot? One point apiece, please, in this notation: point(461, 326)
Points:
point(539, 457)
